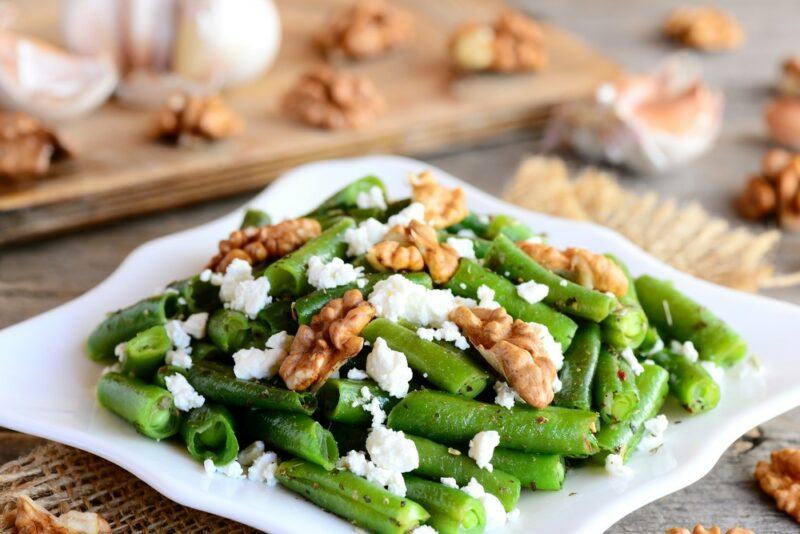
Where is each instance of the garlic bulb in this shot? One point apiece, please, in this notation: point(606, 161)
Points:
point(646, 122)
point(218, 43)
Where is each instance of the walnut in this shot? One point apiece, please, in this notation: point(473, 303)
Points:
point(440, 258)
point(780, 479)
point(582, 266)
point(413, 248)
point(395, 256)
point(335, 100)
point(774, 192)
point(188, 119)
point(758, 200)
point(789, 83)
point(514, 43)
point(512, 348)
point(704, 28)
point(33, 519)
point(27, 147)
point(700, 529)
point(443, 206)
point(332, 338)
point(366, 29)
point(256, 245)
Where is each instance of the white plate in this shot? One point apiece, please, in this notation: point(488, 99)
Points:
point(48, 381)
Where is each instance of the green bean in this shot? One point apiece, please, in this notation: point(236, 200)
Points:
point(349, 437)
point(347, 197)
point(446, 367)
point(470, 276)
point(678, 317)
point(228, 330)
point(651, 343)
point(306, 307)
point(198, 296)
point(453, 419)
point(287, 276)
point(568, 297)
point(437, 461)
point(614, 390)
point(209, 433)
point(277, 317)
point(452, 511)
point(148, 408)
point(337, 397)
point(508, 226)
point(218, 384)
point(689, 382)
point(294, 433)
point(534, 471)
point(255, 218)
point(352, 497)
point(122, 325)
point(144, 354)
point(580, 363)
point(627, 325)
point(394, 207)
point(479, 224)
point(622, 438)
point(205, 351)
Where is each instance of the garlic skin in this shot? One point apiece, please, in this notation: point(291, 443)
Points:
point(649, 123)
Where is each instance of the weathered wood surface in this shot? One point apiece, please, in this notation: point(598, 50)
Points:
point(121, 171)
point(34, 278)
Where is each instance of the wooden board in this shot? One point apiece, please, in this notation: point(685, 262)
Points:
point(120, 172)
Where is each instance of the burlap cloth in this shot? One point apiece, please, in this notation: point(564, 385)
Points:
point(61, 478)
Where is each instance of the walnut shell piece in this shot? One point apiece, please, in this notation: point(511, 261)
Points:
point(33, 519)
point(704, 28)
point(780, 479)
point(334, 100)
point(774, 192)
point(582, 266)
point(321, 347)
point(187, 119)
point(256, 245)
point(512, 348)
point(513, 43)
point(368, 28)
point(27, 147)
point(444, 206)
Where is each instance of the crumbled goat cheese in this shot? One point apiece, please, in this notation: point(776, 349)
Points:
point(389, 368)
point(486, 297)
point(361, 283)
point(251, 296)
point(397, 298)
point(653, 436)
point(424, 529)
point(481, 448)
point(448, 332)
point(450, 482)
point(232, 469)
point(205, 276)
point(357, 463)
point(263, 469)
point(532, 291)
point(556, 384)
point(717, 373)
point(179, 337)
point(332, 274)
point(535, 239)
point(616, 466)
point(119, 351)
point(495, 513)
point(372, 405)
point(178, 358)
point(249, 454)
point(657, 347)
point(195, 325)
point(238, 271)
point(630, 359)
point(373, 198)
point(183, 394)
point(391, 449)
point(413, 212)
point(505, 395)
point(466, 232)
point(365, 236)
point(116, 368)
point(563, 283)
point(357, 374)
point(257, 363)
point(552, 348)
point(464, 247)
point(686, 348)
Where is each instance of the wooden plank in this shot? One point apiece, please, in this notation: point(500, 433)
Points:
point(120, 171)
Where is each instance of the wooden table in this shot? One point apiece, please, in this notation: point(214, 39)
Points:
point(37, 277)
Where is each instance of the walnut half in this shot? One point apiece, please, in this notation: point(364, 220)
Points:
point(27, 147)
point(412, 248)
point(321, 347)
point(366, 29)
point(33, 519)
point(780, 479)
point(187, 119)
point(512, 348)
point(444, 206)
point(703, 28)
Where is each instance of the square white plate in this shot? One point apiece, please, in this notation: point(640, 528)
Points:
point(48, 383)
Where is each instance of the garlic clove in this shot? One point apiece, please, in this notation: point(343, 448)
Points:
point(49, 83)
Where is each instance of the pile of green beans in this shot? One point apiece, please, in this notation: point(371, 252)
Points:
point(616, 375)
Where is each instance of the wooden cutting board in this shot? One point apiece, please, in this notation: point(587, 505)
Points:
point(120, 171)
